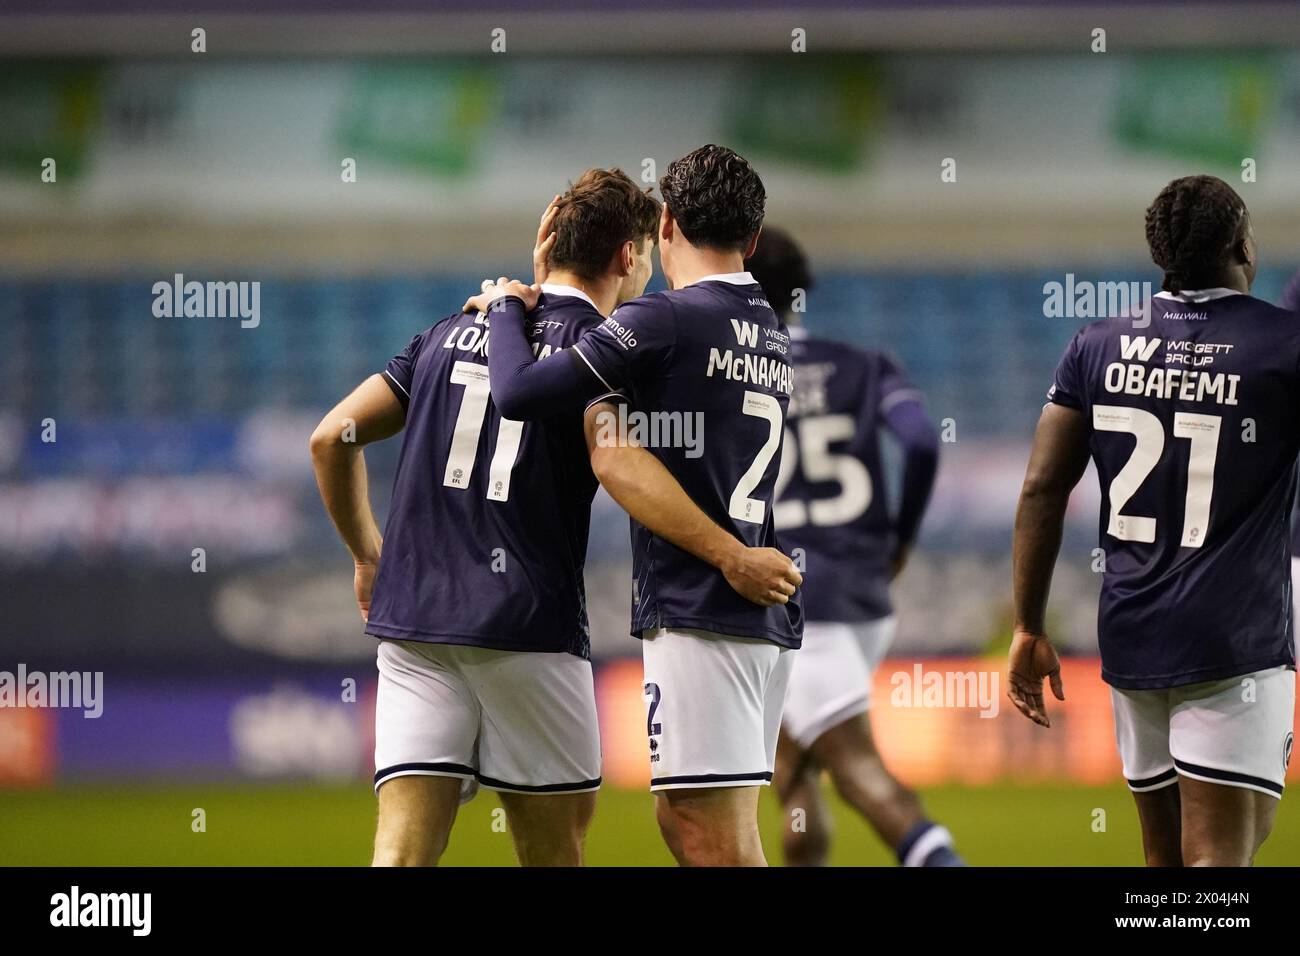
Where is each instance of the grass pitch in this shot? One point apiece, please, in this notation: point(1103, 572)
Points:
point(297, 824)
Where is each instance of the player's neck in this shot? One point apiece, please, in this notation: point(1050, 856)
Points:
point(696, 264)
point(1232, 278)
point(603, 292)
point(1238, 283)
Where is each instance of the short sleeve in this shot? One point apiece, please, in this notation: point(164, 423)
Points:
point(631, 344)
point(1067, 386)
point(610, 397)
point(400, 369)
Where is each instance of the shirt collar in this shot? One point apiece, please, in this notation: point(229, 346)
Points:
point(731, 278)
point(555, 288)
point(1197, 295)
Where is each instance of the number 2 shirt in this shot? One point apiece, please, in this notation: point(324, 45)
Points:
point(1195, 428)
point(710, 364)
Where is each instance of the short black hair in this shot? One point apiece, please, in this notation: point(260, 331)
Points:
point(715, 197)
point(600, 212)
point(780, 267)
point(1191, 229)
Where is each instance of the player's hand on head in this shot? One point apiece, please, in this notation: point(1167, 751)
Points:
point(492, 291)
point(1032, 659)
point(545, 242)
point(763, 575)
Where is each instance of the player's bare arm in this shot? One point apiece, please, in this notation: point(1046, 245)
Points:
point(1056, 463)
point(371, 413)
point(648, 492)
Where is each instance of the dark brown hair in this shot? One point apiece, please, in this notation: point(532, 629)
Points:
point(715, 197)
point(600, 212)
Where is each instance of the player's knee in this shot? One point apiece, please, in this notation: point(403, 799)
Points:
point(698, 847)
point(806, 838)
point(1197, 852)
point(402, 839)
point(1163, 858)
point(551, 831)
point(667, 821)
point(810, 846)
point(1161, 846)
point(1261, 834)
point(862, 777)
point(386, 858)
point(691, 843)
point(562, 848)
point(705, 843)
point(586, 814)
point(849, 755)
point(409, 850)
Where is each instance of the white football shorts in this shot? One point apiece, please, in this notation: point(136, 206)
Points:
point(713, 707)
point(1236, 732)
point(522, 722)
point(833, 670)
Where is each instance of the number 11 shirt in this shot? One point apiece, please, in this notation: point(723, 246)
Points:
point(486, 535)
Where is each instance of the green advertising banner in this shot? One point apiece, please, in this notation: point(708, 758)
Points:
point(424, 116)
point(48, 110)
point(819, 114)
point(1213, 108)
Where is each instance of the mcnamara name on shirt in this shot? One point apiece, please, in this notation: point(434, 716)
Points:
point(767, 371)
point(1185, 376)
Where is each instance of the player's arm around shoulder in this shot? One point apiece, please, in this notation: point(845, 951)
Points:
point(372, 412)
point(634, 343)
point(648, 492)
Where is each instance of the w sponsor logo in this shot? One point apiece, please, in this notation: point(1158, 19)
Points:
point(1139, 347)
point(746, 333)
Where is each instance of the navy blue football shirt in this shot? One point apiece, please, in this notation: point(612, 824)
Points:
point(487, 531)
point(832, 504)
point(713, 354)
point(1195, 429)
